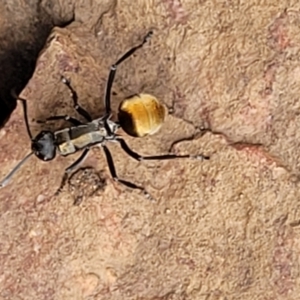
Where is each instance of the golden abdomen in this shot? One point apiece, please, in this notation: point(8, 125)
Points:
point(141, 115)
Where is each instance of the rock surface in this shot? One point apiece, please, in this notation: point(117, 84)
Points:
point(227, 228)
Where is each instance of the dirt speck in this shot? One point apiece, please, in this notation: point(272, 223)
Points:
point(84, 183)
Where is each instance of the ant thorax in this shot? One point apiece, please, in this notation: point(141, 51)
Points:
point(72, 139)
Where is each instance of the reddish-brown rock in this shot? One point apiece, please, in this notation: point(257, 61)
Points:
point(227, 228)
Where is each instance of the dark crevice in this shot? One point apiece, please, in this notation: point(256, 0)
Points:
point(20, 46)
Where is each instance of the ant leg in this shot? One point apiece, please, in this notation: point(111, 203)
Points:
point(139, 157)
point(192, 137)
point(78, 108)
point(71, 168)
point(113, 70)
point(77, 162)
point(73, 121)
point(115, 177)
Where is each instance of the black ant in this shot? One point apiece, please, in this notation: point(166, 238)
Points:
point(139, 115)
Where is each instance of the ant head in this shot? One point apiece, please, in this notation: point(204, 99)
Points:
point(43, 145)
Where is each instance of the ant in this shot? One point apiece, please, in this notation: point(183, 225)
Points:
point(138, 115)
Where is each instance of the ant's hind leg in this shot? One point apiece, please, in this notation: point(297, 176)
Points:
point(76, 106)
point(139, 157)
point(115, 177)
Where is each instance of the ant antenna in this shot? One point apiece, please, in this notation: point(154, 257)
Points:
point(24, 104)
point(7, 178)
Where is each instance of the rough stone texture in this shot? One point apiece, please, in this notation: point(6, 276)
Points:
point(227, 228)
